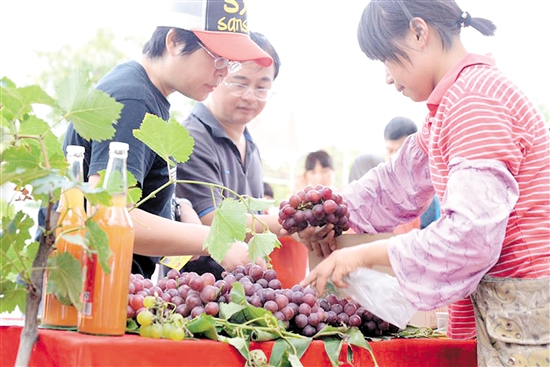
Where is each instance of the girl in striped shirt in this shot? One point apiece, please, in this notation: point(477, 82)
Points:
point(485, 151)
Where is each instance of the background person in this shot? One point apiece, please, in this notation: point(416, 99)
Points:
point(225, 153)
point(186, 54)
point(318, 170)
point(362, 164)
point(484, 150)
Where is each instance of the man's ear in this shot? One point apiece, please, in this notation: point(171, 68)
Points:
point(172, 46)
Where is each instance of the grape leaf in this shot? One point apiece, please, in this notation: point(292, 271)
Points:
point(262, 244)
point(258, 205)
point(7, 210)
point(65, 278)
point(227, 227)
point(259, 335)
point(41, 133)
point(283, 349)
point(240, 344)
point(333, 347)
point(92, 111)
point(16, 102)
point(134, 192)
point(355, 337)
point(96, 239)
point(16, 253)
point(227, 310)
point(205, 325)
point(14, 294)
point(261, 316)
point(294, 360)
point(21, 164)
point(167, 139)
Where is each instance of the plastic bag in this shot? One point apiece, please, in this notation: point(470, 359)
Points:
point(380, 294)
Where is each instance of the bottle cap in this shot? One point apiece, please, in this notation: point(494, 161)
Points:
point(118, 145)
point(75, 149)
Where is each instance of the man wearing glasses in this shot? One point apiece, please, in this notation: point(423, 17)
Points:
point(225, 153)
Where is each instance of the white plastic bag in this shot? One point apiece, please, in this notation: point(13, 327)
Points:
point(380, 294)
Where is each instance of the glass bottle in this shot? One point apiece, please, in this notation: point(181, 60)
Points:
point(105, 296)
point(71, 221)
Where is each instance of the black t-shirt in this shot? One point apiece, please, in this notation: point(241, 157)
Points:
point(129, 84)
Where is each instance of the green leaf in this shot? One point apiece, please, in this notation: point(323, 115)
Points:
point(92, 111)
point(132, 326)
point(261, 316)
point(104, 198)
point(96, 239)
point(6, 209)
point(13, 295)
point(228, 310)
point(294, 361)
point(21, 165)
point(242, 345)
point(51, 182)
point(333, 347)
point(205, 325)
point(16, 253)
point(283, 349)
point(16, 102)
point(42, 134)
point(96, 196)
point(167, 139)
point(228, 226)
point(262, 244)
point(258, 204)
point(65, 278)
point(355, 337)
point(259, 335)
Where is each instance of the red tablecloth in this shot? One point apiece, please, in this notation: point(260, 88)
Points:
point(66, 348)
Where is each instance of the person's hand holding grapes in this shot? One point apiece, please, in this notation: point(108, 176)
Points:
point(318, 215)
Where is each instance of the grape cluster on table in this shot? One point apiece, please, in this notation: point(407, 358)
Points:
point(300, 309)
point(314, 206)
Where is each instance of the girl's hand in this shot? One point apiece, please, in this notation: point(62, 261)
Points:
point(320, 240)
point(346, 260)
point(335, 267)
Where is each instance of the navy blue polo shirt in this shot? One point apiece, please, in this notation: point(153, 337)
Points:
point(216, 159)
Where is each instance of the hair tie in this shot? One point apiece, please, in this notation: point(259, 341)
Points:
point(465, 19)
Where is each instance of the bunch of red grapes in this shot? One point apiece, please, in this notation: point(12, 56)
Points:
point(314, 206)
point(298, 308)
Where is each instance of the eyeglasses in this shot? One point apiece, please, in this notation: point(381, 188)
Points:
point(241, 90)
point(222, 62)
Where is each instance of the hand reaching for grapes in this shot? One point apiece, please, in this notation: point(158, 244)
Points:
point(238, 255)
point(342, 262)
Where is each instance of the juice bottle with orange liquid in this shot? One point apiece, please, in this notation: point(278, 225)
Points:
point(105, 296)
point(72, 218)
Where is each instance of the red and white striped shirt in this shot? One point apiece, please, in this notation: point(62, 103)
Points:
point(485, 150)
point(476, 113)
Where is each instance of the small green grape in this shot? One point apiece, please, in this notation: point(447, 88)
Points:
point(177, 333)
point(145, 331)
point(156, 331)
point(166, 329)
point(145, 318)
point(177, 320)
point(149, 302)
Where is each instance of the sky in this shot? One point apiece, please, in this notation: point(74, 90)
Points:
point(328, 92)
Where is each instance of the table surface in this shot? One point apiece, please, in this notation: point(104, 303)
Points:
point(69, 348)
